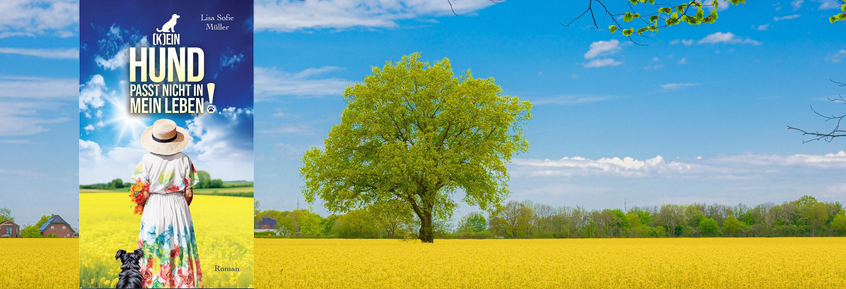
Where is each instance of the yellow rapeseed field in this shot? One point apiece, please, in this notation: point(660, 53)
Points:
point(568, 263)
point(106, 224)
point(39, 263)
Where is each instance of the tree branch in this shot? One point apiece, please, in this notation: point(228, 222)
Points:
point(835, 132)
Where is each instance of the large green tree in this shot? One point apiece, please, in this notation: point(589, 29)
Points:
point(417, 133)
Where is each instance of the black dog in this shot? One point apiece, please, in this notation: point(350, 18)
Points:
point(130, 275)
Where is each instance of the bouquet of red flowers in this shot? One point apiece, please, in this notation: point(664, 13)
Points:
point(137, 197)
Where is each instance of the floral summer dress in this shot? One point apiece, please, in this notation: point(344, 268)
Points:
point(167, 235)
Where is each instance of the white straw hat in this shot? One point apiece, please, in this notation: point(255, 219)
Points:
point(165, 138)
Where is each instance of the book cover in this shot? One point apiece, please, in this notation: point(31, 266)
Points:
point(166, 144)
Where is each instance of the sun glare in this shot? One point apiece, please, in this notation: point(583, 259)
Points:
point(124, 120)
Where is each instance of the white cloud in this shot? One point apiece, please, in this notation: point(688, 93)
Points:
point(738, 166)
point(223, 143)
point(91, 93)
point(673, 86)
point(37, 87)
point(602, 63)
point(728, 37)
point(777, 6)
point(828, 4)
point(717, 38)
point(231, 61)
point(724, 4)
point(290, 151)
point(114, 50)
point(88, 128)
point(683, 60)
point(788, 17)
point(687, 42)
point(827, 161)
point(656, 66)
point(99, 167)
point(834, 191)
point(270, 81)
point(115, 62)
point(23, 118)
point(603, 48)
point(625, 167)
point(300, 129)
point(763, 27)
point(59, 53)
point(571, 99)
point(16, 141)
point(88, 150)
point(797, 4)
point(836, 57)
point(574, 76)
point(292, 15)
point(32, 18)
point(31, 103)
point(23, 173)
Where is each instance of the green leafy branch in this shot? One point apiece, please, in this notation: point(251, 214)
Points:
point(841, 16)
point(693, 13)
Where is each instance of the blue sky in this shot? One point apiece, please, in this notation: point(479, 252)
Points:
point(698, 115)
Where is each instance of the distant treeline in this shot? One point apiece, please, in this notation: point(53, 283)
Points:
point(803, 217)
point(205, 182)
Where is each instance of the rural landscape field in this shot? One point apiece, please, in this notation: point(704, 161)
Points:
point(537, 263)
point(39, 263)
point(107, 224)
point(552, 263)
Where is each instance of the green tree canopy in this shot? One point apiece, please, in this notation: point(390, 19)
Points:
point(839, 223)
point(6, 214)
point(512, 220)
point(816, 216)
point(731, 226)
point(203, 179)
point(256, 211)
point(356, 224)
point(31, 231)
point(42, 221)
point(473, 222)
point(416, 133)
point(708, 227)
point(394, 217)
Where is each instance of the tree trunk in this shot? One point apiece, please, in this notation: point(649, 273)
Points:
point(427, 231)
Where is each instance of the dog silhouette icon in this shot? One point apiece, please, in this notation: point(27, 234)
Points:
point(168, 26)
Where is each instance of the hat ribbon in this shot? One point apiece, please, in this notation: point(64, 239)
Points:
point(165, 140)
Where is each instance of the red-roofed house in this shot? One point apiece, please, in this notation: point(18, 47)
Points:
point(9, 229)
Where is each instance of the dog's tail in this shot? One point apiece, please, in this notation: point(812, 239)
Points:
point(158, 30)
